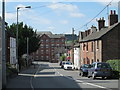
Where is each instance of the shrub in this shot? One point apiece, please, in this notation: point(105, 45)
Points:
point(115, 64)
point(63, 57)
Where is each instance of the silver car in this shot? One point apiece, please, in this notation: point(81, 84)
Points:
point(100, 69)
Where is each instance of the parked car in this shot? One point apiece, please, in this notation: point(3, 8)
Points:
point(84, 69)
point(62, 64)
point(100, 69)
point(68, 65)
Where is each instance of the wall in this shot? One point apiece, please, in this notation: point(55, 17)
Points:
point(0, 55)
point(111, 44)
point(119, 11)
point(77, 58)
point(88, 56)
point(48, 53)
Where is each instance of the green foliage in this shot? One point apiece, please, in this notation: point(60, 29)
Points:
point(115, 64)
point(10, 70)
point(25, 31)
point(63, 58)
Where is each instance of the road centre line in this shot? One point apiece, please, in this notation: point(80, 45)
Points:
point(31, 84)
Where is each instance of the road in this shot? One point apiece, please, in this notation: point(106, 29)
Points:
point(50, 75)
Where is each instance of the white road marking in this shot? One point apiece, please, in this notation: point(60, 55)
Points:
point(31, 84)
point(86, 83)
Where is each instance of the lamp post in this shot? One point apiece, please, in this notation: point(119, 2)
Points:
point(3, 47)
point(17, 36)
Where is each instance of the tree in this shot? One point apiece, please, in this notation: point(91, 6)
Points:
point(25, 31)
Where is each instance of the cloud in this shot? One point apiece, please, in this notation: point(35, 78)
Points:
point(77, 15)
point(60, 0)
point(72, 10)
point(11, 16)
point(64, 22)
point(51, 27)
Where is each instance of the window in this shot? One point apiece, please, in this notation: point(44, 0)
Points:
point(57, 44)
point(97, 44)
point(92, 61)
point(83, 46)
point(52, 40)
point(87, 46)
point(47, 40)
point(42, 51)
point(97, 60)
point(42, 57)
point(37, 52)
point(63, 40)
point(37, 57)
point(52, 44)
point(92, 46)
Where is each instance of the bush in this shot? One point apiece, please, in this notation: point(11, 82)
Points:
point(63, 58)
point(115, 64)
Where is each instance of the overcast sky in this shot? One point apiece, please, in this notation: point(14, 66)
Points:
point(58, 16)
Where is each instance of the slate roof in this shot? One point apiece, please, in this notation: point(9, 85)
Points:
point(50, 34)
point(99, 34)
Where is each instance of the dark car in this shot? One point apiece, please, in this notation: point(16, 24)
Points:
point(84, 69)
point(100, 69)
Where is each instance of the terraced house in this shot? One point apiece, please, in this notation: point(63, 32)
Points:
point(101, 44)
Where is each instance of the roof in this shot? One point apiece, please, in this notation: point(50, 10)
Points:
point(99, 34)
point(44, 32)
point(50, 34)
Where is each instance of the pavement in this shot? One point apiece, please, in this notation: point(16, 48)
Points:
point(23, 79)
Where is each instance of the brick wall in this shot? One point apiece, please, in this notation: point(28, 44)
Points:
point(111, 44)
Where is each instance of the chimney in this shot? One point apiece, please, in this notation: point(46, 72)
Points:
point(101, 23)
point(112, 18)
point(93, 29)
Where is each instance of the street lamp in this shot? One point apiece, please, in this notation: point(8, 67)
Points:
point(17, 36)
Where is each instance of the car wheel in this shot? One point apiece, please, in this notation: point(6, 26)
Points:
point(88, 76)
point(103, 77)
point(81, 74)
point(93, 76)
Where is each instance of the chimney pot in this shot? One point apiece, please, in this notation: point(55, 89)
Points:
point(111, 12)
point(113, 18)
point(102, 18)
point(114, 12)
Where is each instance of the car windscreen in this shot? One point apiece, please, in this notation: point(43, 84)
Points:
point(86, 66)
point(68, 63)
point(103, 65)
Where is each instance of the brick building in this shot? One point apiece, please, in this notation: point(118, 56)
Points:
point(51, 47)
point(101, 44)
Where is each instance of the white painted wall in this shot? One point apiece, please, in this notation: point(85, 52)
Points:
point(77, 58)
point(119, 11)
point(0, 56)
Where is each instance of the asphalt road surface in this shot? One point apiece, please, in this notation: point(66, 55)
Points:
point(51, 75)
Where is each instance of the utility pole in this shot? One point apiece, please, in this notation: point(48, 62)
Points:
point(73, 45)
point(3, 47)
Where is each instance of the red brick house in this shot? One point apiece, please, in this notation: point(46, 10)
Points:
point(102, 44)
point(52, 45)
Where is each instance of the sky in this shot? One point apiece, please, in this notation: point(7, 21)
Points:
point(58, 16)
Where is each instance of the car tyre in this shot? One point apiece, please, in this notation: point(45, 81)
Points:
point(81, 74)
point(93, 76)
point(103, 77)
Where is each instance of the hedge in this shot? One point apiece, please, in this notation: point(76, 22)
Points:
point(115, 64)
